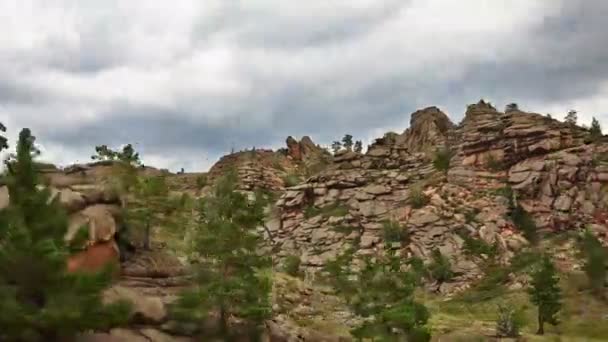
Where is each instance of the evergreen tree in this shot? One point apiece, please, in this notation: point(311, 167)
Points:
point(39, 300)
point(595, 130)
point(523, 221)
point(545, 293)
point(150, 206)
point(440, 268)
point(347, 142)
point(228, 270)
point(596, 261)
point(383, 293)
point(125, 165)
point(3, 141)
point(511, 107)
point(571, 117)
point(358, 146)
point(336, 146)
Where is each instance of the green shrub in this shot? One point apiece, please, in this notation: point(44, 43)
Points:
point(346, 230)
point(334, 210)
point(494, 164)
point(506, 192)
point(418, 198)
point(596, 262)
point(394, 232)
point(440, 268)
point(291, 265)
point(441, 160)
point(492, 285)
point(291, 180)
point(509, 322)
point(524, 222)
point(201, 181)
point(311, 211)
point(478, 247)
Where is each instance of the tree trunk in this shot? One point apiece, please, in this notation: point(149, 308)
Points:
point(147, 237)
point(541, 325)
point(223, 323)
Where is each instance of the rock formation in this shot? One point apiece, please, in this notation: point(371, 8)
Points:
point(556, 175)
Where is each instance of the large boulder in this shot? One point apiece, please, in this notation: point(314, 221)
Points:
point(95, 258)
point(100, 221)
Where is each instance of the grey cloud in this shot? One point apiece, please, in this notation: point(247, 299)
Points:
point(267, 27)
point(563, 58)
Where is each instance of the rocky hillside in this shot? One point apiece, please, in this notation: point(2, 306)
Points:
point(557, 174)
point(435, 187)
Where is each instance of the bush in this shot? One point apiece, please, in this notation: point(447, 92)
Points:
point(346, 230)
point(440, 268)
point(524, 222)
point(201, 181)
point(334, 210)
point(509, 322)
point(394, 232)
point(291, 265)
point(418, 199)
point(311, 211)
point(478, 247)
point(442, 158)
point(291, 180)
point(494, 164)
point(596, 262)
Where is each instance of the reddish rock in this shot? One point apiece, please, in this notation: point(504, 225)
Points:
point(94, 258)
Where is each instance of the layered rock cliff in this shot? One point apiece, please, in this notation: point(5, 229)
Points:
point(555, 172)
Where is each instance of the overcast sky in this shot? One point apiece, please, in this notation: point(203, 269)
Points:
point(188, 80)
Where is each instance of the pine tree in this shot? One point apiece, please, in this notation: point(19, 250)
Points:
point(150, 206)
point(229, 279)
point(3, 141)
point(596, 262)
point(358, 146)
point(595, 130)
point(39, 300)
point(125, 165)
point(511, 107)
point(545, 293)
point(336, 146)
point(347, 142)
point(383, 293)
point(571, 117)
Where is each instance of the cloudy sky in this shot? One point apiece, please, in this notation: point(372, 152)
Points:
point(189, 80)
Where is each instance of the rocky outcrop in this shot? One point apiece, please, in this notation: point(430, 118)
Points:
point(488, 136)
point(302, 150)
point(557, 177)
point(429, 129)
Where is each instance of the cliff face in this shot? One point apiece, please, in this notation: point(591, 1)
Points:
point(556, 176)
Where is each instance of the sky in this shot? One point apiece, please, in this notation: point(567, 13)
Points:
point(188, 81)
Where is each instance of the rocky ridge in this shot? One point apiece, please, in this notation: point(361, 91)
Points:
point(552, 167)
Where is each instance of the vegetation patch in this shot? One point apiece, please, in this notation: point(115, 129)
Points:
point(291, 265)
point(291, 180)
point(332, 210)
point(418, 198)
point(442, 158)
point(394, 232)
